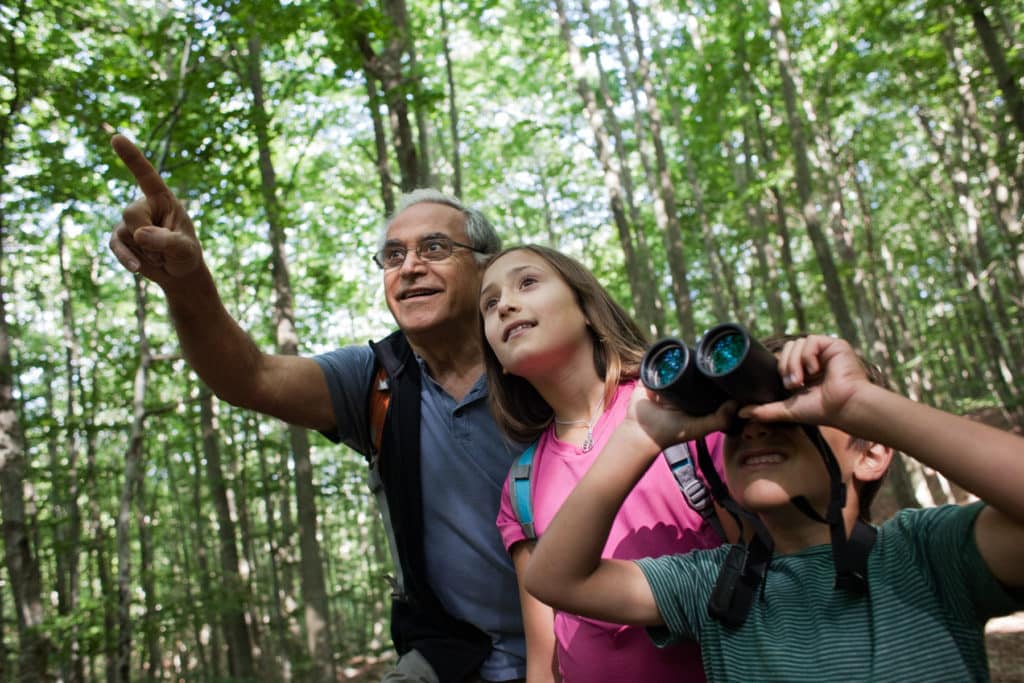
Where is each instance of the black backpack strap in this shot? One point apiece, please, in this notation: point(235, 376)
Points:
point(454, 648)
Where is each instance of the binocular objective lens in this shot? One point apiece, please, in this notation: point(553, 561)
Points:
point(726, 352)
point(667, 366)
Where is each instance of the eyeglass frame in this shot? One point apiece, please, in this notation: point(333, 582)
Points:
point(438, 237)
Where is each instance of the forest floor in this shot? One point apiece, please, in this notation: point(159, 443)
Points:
point(1005, 641)
point(1004, 637)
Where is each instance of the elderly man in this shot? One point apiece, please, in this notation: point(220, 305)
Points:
point(441, 459)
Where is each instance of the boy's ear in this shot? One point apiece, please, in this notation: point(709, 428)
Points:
point(872, 463)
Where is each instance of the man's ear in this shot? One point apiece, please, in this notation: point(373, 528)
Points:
point(872, 463)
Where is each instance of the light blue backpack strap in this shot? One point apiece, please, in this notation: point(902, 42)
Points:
point(682, 464)
point(519, 483)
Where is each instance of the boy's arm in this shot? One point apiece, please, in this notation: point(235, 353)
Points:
point(567, 570)
point(986, 461)
point(831, 389)
point(538, 624)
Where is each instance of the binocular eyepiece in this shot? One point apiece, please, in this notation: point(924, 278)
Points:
point(727, 363)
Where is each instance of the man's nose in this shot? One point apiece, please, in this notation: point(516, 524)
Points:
point(412, 263)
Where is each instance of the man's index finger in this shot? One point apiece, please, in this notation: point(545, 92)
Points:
point(149, 181)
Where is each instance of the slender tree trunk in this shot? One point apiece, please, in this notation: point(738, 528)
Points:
point(788, 264)
point(20, 558)
point(970, 155)
point(234, 596)
point(281, 636)
point(389, 68)
point(764, 249)
point(645, 295)
point(643, 251)
point(842, 232)
point(200, 536)
point(1005, 78)
point(604, 152)
point(380, 144)
point(129, 488)
point(98, 544)
point(974, 260)
point(665, 212)
point(73, 522)
point(314, 590)
point(453, 109)
point(182, 559)
point(151, 620)
point(830, 276)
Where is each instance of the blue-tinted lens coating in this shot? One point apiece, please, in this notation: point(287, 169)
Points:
point(726, 353)
point(668, 365)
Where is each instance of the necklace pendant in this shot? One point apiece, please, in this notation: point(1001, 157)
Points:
point(588, 443)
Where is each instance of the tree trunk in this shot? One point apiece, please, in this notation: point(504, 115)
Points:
point(788, 264)
point(209, 595)
point(842, 233)
point(604, 152)
point(182, 558)
point(20, 557)
point(1005, 78)
point(830, 276)
point(645, 294)
point(129, 486)
point(153, 667)
point(969, 131)
point(665, 212)
point(380, 144)
point(233, 594)
point(389, 68)
point(764, 249)
point(314, 590)
point(453, 109)
point(643, 251)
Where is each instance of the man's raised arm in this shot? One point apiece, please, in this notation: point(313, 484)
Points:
point(156, 238)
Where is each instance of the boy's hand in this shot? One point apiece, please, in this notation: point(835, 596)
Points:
point(665, 424)
point(823, 373)
point(156, 237)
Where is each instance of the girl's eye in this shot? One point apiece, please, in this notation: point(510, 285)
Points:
point(490, 303)
point(527, 281)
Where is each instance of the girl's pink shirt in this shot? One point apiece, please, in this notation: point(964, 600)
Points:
point(654, 520)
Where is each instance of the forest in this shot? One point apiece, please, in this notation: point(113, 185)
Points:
point(853, 168)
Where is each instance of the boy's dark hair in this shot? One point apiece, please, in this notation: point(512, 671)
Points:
point(868, 490)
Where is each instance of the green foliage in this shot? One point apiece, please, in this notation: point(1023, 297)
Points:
point(920, 171)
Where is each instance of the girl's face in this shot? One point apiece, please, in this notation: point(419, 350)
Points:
point(532, 320)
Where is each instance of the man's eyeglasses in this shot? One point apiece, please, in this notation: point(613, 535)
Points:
point(432, 249)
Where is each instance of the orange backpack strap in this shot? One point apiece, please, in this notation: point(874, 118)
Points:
point(380, 397)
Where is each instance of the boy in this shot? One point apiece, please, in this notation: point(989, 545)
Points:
point(934, 576)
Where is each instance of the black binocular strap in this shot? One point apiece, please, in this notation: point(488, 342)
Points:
point(849, 554)
point(746, 565)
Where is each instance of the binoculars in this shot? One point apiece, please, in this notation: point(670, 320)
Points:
point(727, 363)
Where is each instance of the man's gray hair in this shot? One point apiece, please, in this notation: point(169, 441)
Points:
point(479, 230)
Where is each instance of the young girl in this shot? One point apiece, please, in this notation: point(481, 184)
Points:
point(562, 362)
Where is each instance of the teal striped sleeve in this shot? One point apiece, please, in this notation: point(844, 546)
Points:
point(681, 585)
point(945, 536)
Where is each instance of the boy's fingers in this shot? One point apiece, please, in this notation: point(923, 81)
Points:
point(148, 180)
